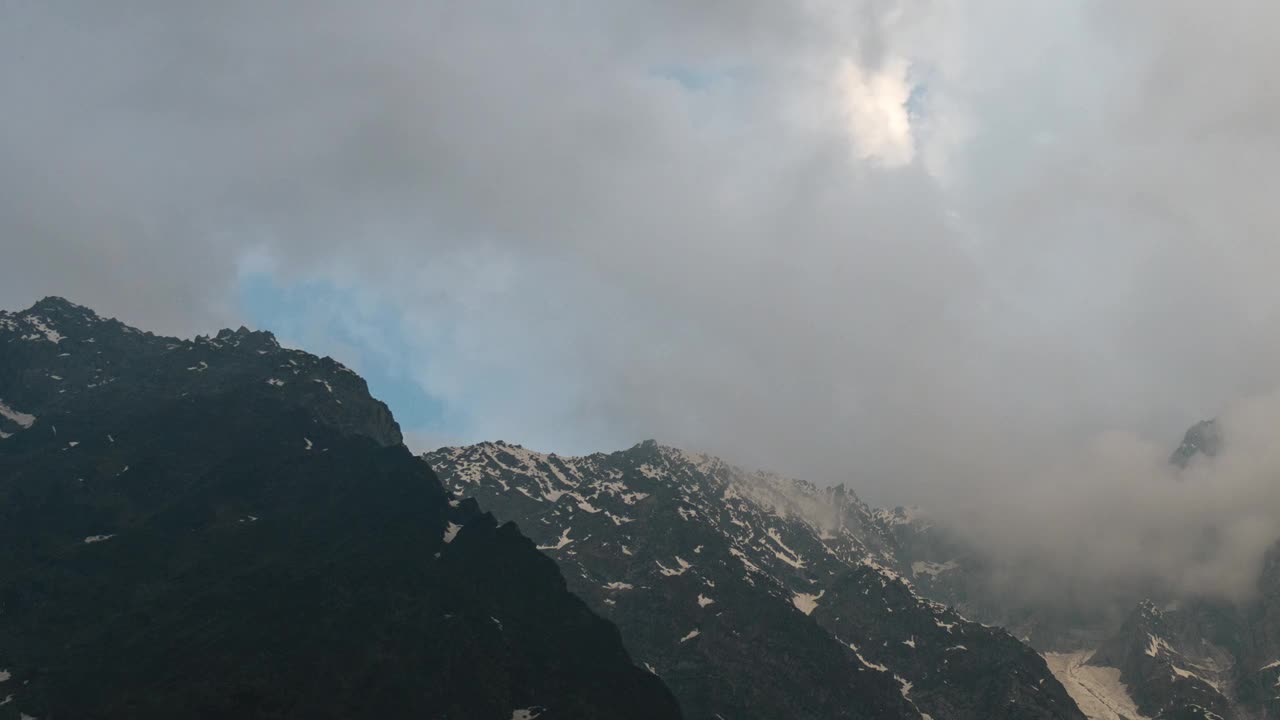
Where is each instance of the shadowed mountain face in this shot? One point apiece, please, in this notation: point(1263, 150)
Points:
point(1169, 664)
point(753, 595)
point(224, 528)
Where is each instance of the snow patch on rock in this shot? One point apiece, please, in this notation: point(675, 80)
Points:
point(451, 531)
point(1097, 690)
point(22, 419)
point(805, 602)
point(564, 540)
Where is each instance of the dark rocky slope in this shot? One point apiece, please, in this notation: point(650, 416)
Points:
point(224, 528)
point(1171, 669)
point(751, 595)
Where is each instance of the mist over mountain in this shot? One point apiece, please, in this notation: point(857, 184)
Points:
point(886, 243)
point(1003, 271)
point(693, 557)
point(1122, 519)
point(226, 476)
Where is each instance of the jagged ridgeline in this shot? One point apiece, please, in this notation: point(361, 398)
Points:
point(227, 528)
point(756, 596)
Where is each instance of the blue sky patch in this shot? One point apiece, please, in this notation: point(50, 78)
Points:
point(325, 319)
point(700, 78)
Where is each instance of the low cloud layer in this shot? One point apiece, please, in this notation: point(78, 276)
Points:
point(1097, 526)
point(936, 250)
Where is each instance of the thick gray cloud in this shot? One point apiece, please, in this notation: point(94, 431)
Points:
point(928, 248)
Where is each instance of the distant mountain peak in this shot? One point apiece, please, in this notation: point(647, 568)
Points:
point(1203, 438)
point(58, 304)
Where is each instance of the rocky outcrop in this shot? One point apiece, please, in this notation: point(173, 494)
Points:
point(1171, 670)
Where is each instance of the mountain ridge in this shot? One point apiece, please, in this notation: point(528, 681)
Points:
point(62, 342)
point(685, 552)
point(222, 527)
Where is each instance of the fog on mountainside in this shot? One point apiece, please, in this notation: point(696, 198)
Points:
point(1117, 517)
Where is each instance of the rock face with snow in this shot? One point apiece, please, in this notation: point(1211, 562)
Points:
point(223, 528)
point(1097, 689)
point(1204, 658)
point(1171, 670)
point(753, 595)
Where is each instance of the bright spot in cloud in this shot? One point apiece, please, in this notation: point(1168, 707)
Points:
point(875, 109)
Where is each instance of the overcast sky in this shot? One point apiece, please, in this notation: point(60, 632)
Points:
point(912, 245)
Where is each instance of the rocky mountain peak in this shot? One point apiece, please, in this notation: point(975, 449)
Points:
point(1203, 438)
point(61, 359)
point(55, 305)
